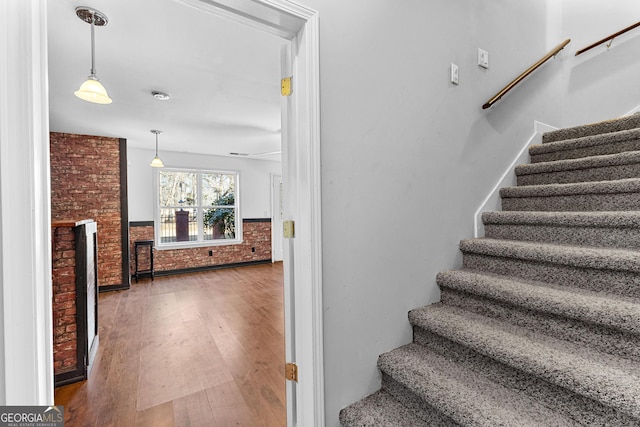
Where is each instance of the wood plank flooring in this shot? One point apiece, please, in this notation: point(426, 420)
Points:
point(200, 349)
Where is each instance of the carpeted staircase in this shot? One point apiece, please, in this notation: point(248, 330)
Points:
point(541, 326)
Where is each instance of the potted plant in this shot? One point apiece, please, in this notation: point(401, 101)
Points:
point(222, 220)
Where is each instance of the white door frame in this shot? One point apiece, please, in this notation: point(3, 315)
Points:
point(26, 331)
point(26, 368)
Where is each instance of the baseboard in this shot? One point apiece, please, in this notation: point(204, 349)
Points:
point(111, 288)
point(68, 378)
point(634, 111)
point(209, 267)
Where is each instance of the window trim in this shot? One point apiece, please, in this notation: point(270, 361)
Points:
point(195, 243)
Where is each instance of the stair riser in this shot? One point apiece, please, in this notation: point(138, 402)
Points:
point(594, 150)
point(580, 408)
point(611, 282)
point(606, 173)
point(621, 238)
point(421, 408)
point(605, 339)
point(574, 203)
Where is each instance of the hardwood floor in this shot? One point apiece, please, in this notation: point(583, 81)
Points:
point(201, 349)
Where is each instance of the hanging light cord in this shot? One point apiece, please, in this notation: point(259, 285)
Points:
point(93, 44)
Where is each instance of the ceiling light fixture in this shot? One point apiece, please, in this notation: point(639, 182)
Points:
point(92, 90)
point(156, 162)
point(161, 96)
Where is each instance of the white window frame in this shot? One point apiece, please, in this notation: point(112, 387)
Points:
point(200, 242)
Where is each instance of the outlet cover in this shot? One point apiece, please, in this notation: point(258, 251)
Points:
point(483, 58)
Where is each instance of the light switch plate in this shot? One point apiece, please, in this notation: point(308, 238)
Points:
point(455, 77)
point(483, 58)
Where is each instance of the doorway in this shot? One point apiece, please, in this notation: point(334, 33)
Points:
point(301, 190)
point(26, 120)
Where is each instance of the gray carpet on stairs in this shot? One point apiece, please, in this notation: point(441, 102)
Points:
point(593, 145)
point(541, 325)
point(602, 229)
point(597, 168)
point(599, 128)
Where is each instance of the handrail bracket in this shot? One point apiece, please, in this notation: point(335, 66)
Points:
point(610, 42)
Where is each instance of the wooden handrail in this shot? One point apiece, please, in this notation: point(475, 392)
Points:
point(529, 70)
point(606, 39)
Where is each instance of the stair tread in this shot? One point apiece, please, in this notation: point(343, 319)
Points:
point(605, 126)
point(628, 185)
point(573, 219)
point(460, 393)
point(605, 378)
point(585, 141)
point(577, 256)
point(379, 409)
point(617, 159)
point(622, 313)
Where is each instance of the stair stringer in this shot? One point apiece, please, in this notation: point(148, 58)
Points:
point(493, 200)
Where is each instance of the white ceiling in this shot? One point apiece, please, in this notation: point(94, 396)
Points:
point(223, 77)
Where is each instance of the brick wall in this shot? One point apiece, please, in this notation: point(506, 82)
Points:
point(85, 184)
point(256, 234)
point(64, 300)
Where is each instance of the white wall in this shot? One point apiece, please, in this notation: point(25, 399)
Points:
point(601, 83)
point(255, 180)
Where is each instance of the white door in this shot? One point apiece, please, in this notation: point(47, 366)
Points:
point(277, 214)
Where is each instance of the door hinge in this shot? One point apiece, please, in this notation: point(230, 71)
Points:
point(285, 86)
point(291, 372)
point(289, 229)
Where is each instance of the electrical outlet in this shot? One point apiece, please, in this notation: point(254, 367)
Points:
point(253, 249)
point(455, 77)
point(210, 252)
point(483, 58)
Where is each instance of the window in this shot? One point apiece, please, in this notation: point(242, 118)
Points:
point(197, 208)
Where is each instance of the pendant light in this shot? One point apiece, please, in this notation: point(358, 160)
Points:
point(156, 162)
point(92, 90)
